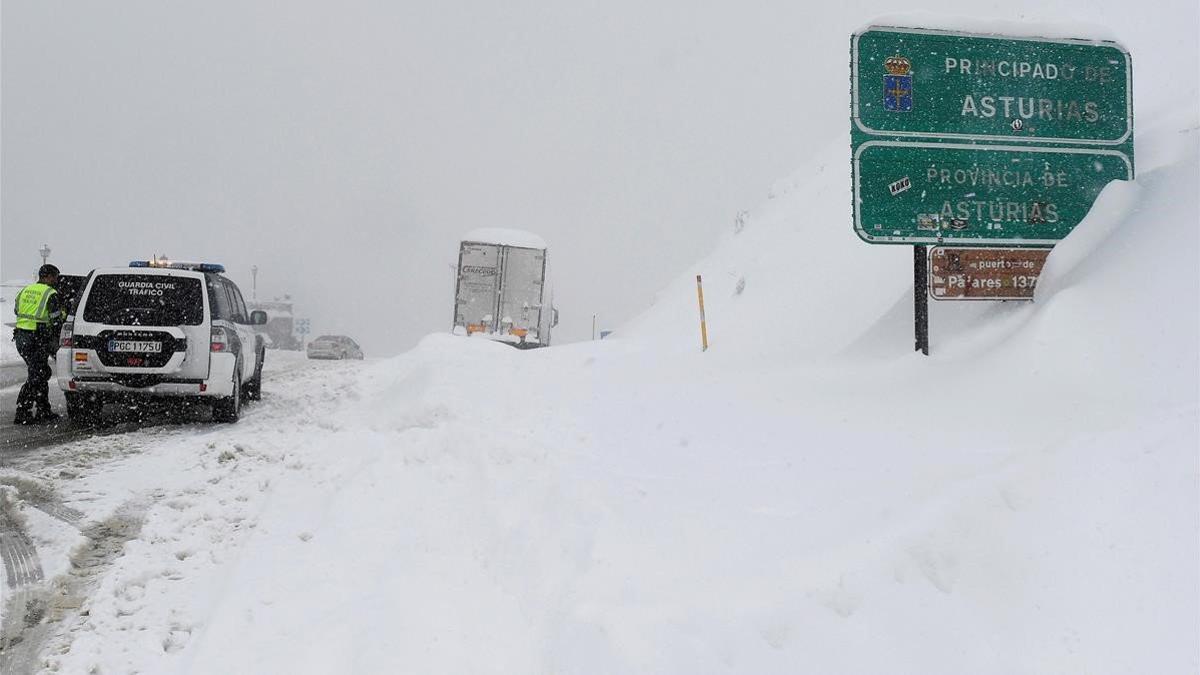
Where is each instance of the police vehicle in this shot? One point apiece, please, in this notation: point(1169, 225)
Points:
point(160, 328)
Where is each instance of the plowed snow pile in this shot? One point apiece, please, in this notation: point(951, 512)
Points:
point(807, 496)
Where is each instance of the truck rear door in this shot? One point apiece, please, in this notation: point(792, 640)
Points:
point(478, 286)
point(522, 279)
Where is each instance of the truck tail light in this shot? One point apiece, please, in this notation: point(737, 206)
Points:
point(219, 341)
point(66, 336)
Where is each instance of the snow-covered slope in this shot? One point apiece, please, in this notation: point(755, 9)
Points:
point(1116, 305)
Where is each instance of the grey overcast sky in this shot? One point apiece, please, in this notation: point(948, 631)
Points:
point(343, 147)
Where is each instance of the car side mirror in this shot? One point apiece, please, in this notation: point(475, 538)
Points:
point(554, 318)
point(258, 317)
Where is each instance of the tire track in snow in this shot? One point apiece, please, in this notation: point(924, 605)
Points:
point(23, 626)
point(21, 632)
point(34, 613)
point(41, 495)
point(66, 514)
point(21, 565)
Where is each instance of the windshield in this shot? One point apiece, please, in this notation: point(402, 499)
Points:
point(145, 300)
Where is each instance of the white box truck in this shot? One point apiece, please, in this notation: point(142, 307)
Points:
point(281, 324)
point(501, 290)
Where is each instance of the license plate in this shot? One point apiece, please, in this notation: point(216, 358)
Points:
point(141, 346)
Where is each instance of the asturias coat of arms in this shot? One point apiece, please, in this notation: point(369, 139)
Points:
point(897, 84)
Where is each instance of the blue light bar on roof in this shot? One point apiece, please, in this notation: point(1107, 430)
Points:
point(214, 268)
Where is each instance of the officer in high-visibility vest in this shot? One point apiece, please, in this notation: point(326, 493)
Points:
point(39, 316)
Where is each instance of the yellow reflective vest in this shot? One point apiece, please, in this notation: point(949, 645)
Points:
point(33, 308)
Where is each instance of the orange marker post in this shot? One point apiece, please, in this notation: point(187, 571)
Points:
point(703, 323)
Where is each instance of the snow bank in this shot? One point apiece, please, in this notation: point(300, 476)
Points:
point(496, 235)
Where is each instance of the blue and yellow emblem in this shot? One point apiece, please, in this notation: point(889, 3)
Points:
point(897, 84)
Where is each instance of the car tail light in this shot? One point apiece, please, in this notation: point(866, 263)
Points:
point(66, 336)
point(220, 340)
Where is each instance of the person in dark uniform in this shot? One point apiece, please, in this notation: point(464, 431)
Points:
point(39, 316)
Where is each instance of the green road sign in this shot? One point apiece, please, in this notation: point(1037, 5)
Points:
point(910, 82)
point(914, 193)
point(984, 139)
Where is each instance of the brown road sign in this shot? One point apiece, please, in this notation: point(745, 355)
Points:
point(985, 273)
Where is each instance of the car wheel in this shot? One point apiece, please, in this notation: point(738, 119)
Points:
point(229, 408)
point(254, 386)
point(83, 409)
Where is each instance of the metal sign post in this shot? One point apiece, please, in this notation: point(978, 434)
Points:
point(920, 300)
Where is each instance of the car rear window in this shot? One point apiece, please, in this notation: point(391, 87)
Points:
point(145, 300)
point(68, 287)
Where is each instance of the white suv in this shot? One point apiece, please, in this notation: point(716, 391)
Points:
point(161, 329)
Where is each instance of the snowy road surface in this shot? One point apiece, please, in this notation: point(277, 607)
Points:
point(53, 552)
point(16, 442)
point(11, 373)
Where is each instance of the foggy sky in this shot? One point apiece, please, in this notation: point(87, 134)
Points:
point(344, 147)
